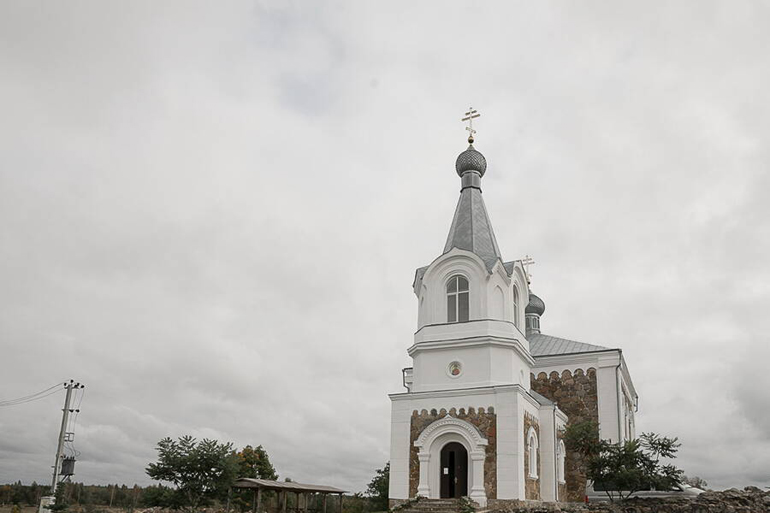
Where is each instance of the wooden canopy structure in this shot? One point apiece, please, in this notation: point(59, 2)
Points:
point(281, 488)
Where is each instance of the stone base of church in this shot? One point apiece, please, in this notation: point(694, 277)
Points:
point(516, 506)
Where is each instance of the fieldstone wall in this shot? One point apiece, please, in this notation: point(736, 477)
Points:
point(576, 395)
point(748, 500)
point(484, 420)
point(531, 485)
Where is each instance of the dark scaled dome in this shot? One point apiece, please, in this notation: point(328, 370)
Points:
point(535, 306)
point(471, 160)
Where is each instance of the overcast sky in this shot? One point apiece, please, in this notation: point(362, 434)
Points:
point(211, 213)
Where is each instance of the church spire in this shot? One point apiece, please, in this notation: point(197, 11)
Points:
point(471, 228)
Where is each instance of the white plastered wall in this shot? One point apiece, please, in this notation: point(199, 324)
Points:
point(491, 294)
point(551, 420)
point(533, 408)
point(509, 403)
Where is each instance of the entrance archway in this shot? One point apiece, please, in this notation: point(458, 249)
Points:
point(454, 471)
point(431, 443)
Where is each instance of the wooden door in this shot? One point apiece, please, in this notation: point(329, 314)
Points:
point(454, 471)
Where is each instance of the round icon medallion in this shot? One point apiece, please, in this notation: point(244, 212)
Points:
point(455, 369)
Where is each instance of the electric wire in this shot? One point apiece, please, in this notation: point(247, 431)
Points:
point(33, 397)
point(74, 421)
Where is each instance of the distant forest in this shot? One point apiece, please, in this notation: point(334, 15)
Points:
point(119, 496)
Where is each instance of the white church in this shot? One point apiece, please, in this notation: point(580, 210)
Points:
point(489, 395)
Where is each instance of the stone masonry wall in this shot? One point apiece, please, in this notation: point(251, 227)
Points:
point(748, 500)
point(484, 420)
point(531, 484)
point(576, 395)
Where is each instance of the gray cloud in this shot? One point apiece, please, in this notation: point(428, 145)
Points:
point(211, 215)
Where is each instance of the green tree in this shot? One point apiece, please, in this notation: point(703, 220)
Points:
point(254, 463)
point(60, 503)
point(621, 469)
point(377, 491)
point(201, 471)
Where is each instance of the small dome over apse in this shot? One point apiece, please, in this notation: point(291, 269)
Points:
point(535, 306)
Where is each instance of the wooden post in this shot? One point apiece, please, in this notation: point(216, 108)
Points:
point(340, 503)
point(304, 501)
point(325, 495)
point(229, 496)
point(283, 498)
point(254, 501)
point(259, 499)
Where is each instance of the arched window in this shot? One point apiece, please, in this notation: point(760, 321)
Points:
point(533, 446)
point(561, 454)
point(457, 300)
point(516, 306)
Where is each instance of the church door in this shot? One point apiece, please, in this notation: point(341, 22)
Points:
point(454, 471)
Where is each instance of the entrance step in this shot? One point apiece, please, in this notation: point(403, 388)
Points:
point(434, 506)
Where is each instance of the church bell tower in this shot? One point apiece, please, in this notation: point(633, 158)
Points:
point(459, 429)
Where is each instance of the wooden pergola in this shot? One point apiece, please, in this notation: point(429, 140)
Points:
point(282, 488)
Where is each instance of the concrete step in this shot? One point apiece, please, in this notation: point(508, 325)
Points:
point(434, 506)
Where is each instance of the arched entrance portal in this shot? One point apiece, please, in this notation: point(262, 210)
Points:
point(435, 443)
point(454, 471)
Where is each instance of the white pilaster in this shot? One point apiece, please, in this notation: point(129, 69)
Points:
point(478, 493)
point(423, 489)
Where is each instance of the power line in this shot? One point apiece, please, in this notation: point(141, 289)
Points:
point(33, 397)
point(73, 423)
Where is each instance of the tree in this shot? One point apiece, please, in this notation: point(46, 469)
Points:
point(201, 471)
point(377, 491)
point(621, 469)
point(253, 463)
point(60, 503)
point(695, 481)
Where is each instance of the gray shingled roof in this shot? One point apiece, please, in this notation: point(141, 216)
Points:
point(471, 229)
point(546, 345)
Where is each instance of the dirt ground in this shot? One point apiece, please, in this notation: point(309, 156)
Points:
point(25, 509)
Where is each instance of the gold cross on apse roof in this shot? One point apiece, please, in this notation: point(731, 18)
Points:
point(469, 117)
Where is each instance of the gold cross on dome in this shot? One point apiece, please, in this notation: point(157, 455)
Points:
point(526, 262)
point(469, 116)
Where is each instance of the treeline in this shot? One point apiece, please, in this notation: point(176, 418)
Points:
point(119, 496)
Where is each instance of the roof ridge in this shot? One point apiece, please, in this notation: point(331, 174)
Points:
point(542, 344)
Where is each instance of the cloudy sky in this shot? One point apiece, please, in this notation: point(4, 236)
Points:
point(211, 213)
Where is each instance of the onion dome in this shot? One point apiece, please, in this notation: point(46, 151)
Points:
point(471, 160)
point(535, 306)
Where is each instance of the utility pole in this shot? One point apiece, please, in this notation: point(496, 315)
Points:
point(62, 432)
point(47, 501)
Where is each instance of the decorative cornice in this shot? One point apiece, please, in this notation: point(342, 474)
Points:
point(483, 340)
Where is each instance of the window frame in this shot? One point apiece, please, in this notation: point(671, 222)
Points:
point(516, 299)
point(534, 446)
point(457, 296)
